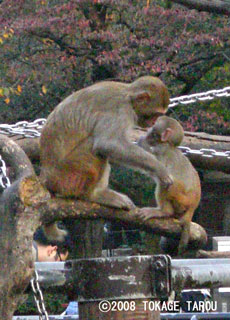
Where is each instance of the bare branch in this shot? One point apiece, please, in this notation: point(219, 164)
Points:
point(15, 157)
point(64, 46)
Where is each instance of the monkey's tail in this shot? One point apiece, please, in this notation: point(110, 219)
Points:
point(54, 233)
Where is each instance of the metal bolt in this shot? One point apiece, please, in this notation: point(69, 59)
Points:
point(159, 264)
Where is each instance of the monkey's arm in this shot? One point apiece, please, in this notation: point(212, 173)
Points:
point(124, 152)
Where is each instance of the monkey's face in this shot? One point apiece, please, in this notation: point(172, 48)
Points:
point(158, 102)
point(150, 111)
point(168, 130)
point(149, 98)
point(154, 135)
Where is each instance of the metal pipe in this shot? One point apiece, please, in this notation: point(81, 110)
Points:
point(200, 273)
point(189, 262)
point(46, 266)
point(54, 275)
point(186, 273)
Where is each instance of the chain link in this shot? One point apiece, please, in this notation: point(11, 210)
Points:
point(209, 95)
point(4, 180)
point(32, 129)
point(38, 297)
point(25, 128)
point(208, 153)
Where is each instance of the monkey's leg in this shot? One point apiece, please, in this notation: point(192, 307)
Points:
point(103, 195)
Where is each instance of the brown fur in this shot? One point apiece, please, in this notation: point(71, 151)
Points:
point(91, 128)
point(182, 198)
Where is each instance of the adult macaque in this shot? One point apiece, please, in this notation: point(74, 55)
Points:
point(182, 198)
point(90, 129)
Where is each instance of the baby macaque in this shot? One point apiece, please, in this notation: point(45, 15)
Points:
point(182, 198)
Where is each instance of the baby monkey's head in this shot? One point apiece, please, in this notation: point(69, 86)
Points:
point(165, 130)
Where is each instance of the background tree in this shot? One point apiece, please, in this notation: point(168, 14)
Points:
point(51, 48)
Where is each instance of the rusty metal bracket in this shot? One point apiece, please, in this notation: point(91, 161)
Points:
point(121, 277)
point(162, 277)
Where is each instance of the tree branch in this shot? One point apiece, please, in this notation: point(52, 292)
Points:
point(64, 46)
point(213, 6)
point(61, 209)
point(201, 70)
point(15, 158)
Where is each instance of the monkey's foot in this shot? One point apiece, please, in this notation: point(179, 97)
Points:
point(112, 198)
point(149, 213)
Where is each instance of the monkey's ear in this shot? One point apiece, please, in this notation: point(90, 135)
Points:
point(166, 135)
point(140, 97)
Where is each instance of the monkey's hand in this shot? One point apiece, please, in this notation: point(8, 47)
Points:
point(165, 180)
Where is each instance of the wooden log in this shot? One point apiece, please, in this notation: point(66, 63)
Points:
point(30, 146)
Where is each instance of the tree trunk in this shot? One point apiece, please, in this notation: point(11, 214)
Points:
point(17, 226)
